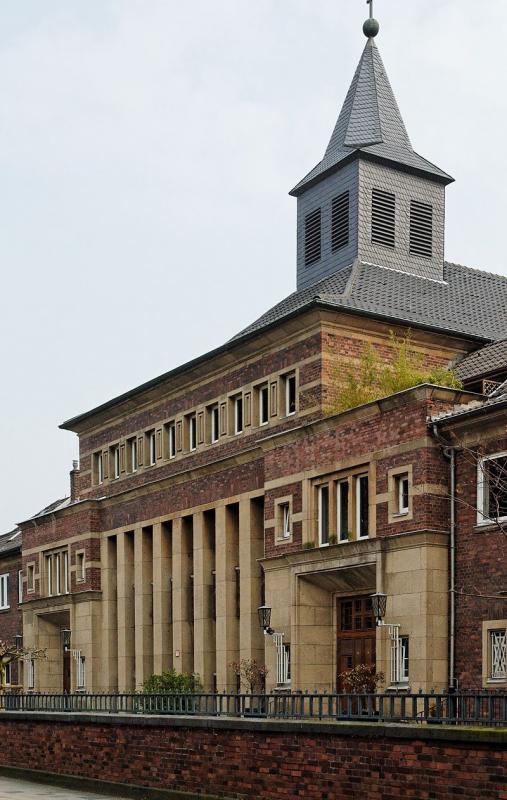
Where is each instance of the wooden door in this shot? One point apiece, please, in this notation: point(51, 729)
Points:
point(356, 635)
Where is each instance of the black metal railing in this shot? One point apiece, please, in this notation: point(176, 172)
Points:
point(462, 708)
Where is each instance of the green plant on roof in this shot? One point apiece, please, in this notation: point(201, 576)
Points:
point(374, 378)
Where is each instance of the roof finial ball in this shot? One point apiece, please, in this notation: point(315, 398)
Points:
point(371, 26)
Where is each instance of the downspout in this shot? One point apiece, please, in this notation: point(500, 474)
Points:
point(450, 454)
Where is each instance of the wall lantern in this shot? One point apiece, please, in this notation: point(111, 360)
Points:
point(264, 613)
point(379, 603)
point(66, 638)
point(18, 641)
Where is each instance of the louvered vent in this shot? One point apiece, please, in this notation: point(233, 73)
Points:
point(383, 211)
point(340, 222)
point(313, 237)
point(421, 229)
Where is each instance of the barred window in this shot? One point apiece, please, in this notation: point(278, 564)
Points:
point(498, 655)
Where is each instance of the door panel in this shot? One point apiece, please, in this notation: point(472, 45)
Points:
point(355, 635)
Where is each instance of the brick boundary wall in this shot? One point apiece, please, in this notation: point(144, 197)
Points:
point(261, 760)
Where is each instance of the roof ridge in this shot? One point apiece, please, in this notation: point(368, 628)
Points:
point(476, 269)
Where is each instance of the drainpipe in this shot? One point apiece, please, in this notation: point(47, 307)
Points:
point(450, 454)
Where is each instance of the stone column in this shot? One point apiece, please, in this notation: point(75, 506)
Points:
point(143, 565)
point(251, 548)
point(162, 574)
point(227, 623)
point(182, 607)
point(108, 680)
point(126, 630)
point(204, 624)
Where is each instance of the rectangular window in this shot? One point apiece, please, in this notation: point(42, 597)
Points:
point(132, 454)
point(362, 507)
point(342, 502)
point(215, 424)
point(286, 526)
point(80, 567)
point(264, 405)
point(152, 447)
point(171, 432)
point(80, 672)
point(20, 586)
point(57, 573)
point(290, 395)
point(340, 222)
point(421, 229)
point(192, 432)
point(498, 655)
point(402, 494)
point(8, 674)
point(99, 468)
point(492, 488)
point(4, 591)
point(404, 644)
point(115, 461)
point(313, 237)
point(383, 219)
point(323, 514)
point(238, 414)
point(30, 574)
point(30, 663)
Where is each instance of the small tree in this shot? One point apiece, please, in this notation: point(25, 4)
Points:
point(362, 678)
point(173, 682)
point(251, 675)
point(11, 653)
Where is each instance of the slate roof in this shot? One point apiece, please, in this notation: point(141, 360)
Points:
point(468, 301)
point(370, 123)
point(489, 359)
point(10, 542)
point(56, 506)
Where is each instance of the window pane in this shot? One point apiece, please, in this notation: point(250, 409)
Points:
point(343, 511)
point(363, 506)
point(496, 487)
point(324, 514)
point(290, 388)
point(498, 654)
point(264, 405)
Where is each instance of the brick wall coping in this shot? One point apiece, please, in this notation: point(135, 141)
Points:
point(374, 730)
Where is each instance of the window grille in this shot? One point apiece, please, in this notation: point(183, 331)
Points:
point(313, 237)
point(282, 660)
point(498, 654)
point(340, 221)
point(421, 229)
point(398, 657)
point(383, 218)
point(80, 669)
point(492, 488)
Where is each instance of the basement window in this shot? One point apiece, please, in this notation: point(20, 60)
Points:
point(383, 218)
point(313, 237)
point(340, 221)
point(421, 229)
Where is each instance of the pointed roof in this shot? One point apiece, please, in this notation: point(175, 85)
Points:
point(370, 124)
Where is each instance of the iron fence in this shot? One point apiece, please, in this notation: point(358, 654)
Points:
point(462, 708)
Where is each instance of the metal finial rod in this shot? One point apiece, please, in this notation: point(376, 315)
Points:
point(370, 3)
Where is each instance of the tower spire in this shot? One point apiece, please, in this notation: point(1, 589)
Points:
point(371, 27)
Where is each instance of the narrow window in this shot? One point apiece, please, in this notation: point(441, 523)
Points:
point(498, 655)
point(290, 395)
point(81, 672)
point(342, 497)
point(286, 527)
point(492, 488)
point(4, 591)
point(313, 237)
point(340, 222)
point(264, 405)
point(215, 424)
point(65, 572)
point(20, 586)
point(383, 215)
point(238, 414)
point(30, 570)
point(7, 674)
point(323, 515)
point(115, 451)
point(133, 454)
point(362, 506)
point(31, 673)
point(405, 655)
point(49, 575)
point(80, 567)
point(421, 229)
point(192, 434)
point(172, 440)
point(152, 448)
point(58, 576)
point(99, 469)
point(402, 492)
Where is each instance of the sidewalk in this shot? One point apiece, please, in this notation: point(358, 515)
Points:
point(11, 789)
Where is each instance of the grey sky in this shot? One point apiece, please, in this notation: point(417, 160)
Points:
point(146, 152)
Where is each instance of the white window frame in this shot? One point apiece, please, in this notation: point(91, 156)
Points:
point(4, 591)
point(20, 586)
point(80, 566)
point(359, 533)
point(172, 440)
point(322, 532)
point(405, 659)
point(286, 520)
point(497, 644)
point(116, 460)
point(483, 517)
point(339, 484)
point(192, 432)
point(400, 480)
point(263, 404)
point(134, 464)
point(152, 448)
point(80, 671)
point(215, 423)
point(238, 403)
point(30, 573)
point(30, 678)
point(288, 380)
point(100, 468)
point(8, 674)
point(49, 575)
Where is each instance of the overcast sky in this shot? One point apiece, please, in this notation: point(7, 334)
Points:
point(146, 151)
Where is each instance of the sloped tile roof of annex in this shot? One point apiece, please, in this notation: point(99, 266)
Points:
point(467, 302)
point(494, 402)
point(10, 542)
point(490, 358)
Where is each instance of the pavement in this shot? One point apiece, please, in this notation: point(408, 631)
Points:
point(14, 789)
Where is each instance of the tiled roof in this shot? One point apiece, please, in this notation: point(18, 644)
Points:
point(370, 123)
point(489, 359)
point(467, 302)
point(498, 398)
point(10, 542)
point(56, 506)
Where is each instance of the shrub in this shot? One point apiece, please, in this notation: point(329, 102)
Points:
point(373, 378)
point(308, 545)
point(252, 675)
point(173, 682)
point(362, 678)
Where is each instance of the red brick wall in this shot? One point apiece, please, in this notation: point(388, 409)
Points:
point(11, 618)
point(279, 762)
